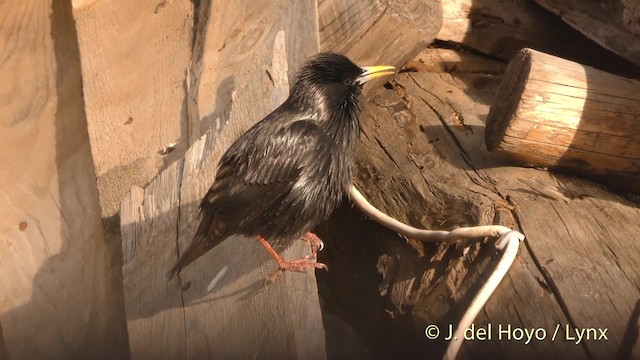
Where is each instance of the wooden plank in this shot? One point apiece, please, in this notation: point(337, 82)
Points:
point(155, 317)
point(599, 21)
point(557, 113)
point(230, 55)
point(135, 57)
point(239, 317)
point(59, 293)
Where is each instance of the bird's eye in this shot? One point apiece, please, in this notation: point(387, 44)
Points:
point(348, 82)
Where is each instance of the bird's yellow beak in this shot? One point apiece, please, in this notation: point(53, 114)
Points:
point(372, 72)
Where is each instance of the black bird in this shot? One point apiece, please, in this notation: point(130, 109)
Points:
point(289, 171)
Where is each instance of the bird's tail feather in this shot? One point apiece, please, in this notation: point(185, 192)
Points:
point(209, 235)
point(198, 247)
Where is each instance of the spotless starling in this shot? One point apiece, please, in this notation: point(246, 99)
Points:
point(289, 171)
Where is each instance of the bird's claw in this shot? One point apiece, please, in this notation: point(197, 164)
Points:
point(316, 244)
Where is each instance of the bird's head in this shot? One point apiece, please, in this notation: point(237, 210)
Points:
point(330, 80)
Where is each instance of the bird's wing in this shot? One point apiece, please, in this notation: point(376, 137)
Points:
point(268, 159)
point(282, 157)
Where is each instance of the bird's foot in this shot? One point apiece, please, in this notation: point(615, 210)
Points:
point(316, 244)
point(300, 265)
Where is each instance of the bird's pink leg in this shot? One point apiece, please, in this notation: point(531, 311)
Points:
point(299, 265)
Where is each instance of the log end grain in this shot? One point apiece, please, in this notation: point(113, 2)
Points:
point(507, 98)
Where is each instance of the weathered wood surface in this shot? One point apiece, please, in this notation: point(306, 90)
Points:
point(422, 160)
point(631, 16)
point(378, 32)
point(635, 325)
point(557, 113)
point(4, 355)
point(500, 28)
point(230, 64)
point(58, 297)
point(630, 347)
point(602, 22)
point(135, 57)
point(240, 317)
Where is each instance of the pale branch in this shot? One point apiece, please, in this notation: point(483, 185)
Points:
point(508, 241)
point(449, 237)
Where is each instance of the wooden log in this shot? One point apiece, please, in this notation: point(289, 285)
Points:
point(555, 113)
point(411, 166)
point(134, 57)
point(422, 159)
point(460, 64)
point(237, 315)
point(58, 283)
point(601, 22)
point(378, 32)
point(501, 28)
point(631, 16)
point(576, 232)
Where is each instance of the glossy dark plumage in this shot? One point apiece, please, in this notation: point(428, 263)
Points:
point(289, 171)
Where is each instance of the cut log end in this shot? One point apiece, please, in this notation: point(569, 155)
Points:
point(555, 113)
point(507, 99)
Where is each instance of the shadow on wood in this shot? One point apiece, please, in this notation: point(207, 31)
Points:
point(60, 289)
point(218, 306)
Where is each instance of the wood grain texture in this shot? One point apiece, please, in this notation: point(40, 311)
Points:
point(232, 55)
point(600, 21)
point(422, 160)
point(599, 257)
point(58, 285)
point(240, 317)
point(630, 346)
point(631, 16)
point(582, 241)
point(501, 28)
point(457, 194)
point(557, 113)
point(4, 355)
point(135, 57)
point(378, 32)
